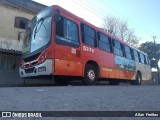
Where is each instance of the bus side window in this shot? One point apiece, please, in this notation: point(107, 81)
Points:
point(133, 58)
point(128, 52)
point(104, 42)
point(88, 35)
point(142, 58)
point(145, 60)
point(67, 32)
point(136, 56)
point(118, 50)
point(59, 27)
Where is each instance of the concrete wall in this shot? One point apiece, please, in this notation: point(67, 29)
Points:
point(9, 66)
point(27, 5)
point(8, 33)
point(9, 9)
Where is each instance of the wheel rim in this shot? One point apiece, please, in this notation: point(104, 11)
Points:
point(139, 79)
point(91, 75)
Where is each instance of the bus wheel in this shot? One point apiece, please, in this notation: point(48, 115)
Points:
point(90, 76)
point(138, 80)
point(60, 81)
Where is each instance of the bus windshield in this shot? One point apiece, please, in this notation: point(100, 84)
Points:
point(38, 33)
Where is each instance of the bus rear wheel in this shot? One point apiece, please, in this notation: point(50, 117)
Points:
point(90, 75)
point(138, 80)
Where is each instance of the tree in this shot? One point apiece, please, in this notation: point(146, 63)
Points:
point(153, 51)
point(119, 28)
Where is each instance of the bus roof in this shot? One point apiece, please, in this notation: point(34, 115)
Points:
point(93, 26)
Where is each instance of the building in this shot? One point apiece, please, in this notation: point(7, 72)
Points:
point(15, 16)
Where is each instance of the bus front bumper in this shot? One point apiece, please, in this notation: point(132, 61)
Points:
point(44, 68)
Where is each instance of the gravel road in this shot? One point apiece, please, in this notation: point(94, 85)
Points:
point(81, 98)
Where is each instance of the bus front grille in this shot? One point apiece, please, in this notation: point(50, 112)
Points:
point(29, 70)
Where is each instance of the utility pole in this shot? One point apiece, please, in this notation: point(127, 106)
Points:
point(154, 39)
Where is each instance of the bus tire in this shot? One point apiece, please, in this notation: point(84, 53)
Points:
point(90, 75)
point(60, 81)
point(138, 80)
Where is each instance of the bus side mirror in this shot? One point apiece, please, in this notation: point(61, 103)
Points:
point(57, 16)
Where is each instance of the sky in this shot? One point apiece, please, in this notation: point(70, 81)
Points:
point(142, 15)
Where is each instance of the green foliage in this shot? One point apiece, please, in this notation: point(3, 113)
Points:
point(153, 51)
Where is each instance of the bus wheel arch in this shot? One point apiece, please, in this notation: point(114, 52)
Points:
point(91, 73)
point(138, 79)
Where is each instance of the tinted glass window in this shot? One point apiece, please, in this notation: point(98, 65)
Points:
point(71, 30)
point(145, 60)
point(89, 31)
point(135, 55)
point(117, 44)
point(118, 48)
point(129, 56)
point(142, 58)
point(89, 40)
point(136, 58)
point(67, 32)
point(103, 38)
point(104, 42)
point(59, 27)
point(104, 46)
point(118, 51)
point(127, 49)
point(128, 52)
point(88, 35)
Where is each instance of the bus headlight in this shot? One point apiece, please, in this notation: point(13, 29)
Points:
point(22, 64)
point(43, 57)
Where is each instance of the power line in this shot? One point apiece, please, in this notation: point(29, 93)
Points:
point(89, 9)
point(140, 29)
point(99, 10)
point(104, 3)
point(99, 13)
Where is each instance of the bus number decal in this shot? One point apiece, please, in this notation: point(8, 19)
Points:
point(88, 49)
point(73, 50)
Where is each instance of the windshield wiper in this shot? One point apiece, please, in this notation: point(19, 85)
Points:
point(38, 28)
